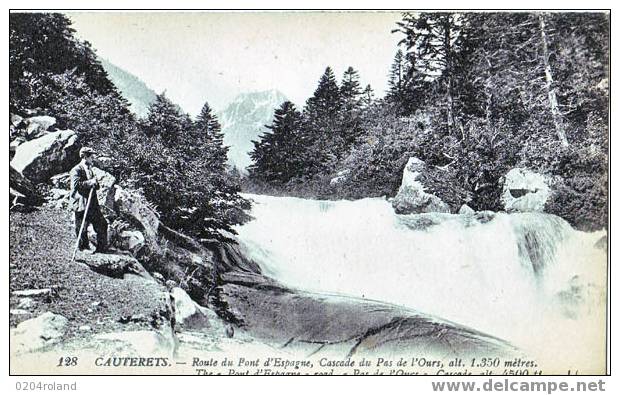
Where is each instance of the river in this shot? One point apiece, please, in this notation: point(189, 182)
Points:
point(528, 278)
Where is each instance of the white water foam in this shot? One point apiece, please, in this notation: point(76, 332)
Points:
point(527, 278)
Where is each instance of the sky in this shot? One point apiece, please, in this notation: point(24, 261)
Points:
point(214, 56)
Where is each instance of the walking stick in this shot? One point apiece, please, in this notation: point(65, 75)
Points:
point(77, 243)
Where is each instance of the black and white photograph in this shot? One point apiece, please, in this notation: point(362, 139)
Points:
point(309, 192)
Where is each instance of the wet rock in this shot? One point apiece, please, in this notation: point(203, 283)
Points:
point(601, 243)
point(525, 191)
point(229, 257)
point(350, 327)
point(41, 158)
point(420, 221)
point(484, 216)
point(466, 210)
point(411, 197)
point(39, 332)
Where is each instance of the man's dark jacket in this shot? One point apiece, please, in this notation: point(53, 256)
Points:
point(80, 190)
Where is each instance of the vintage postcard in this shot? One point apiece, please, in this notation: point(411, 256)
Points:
point(309, 192)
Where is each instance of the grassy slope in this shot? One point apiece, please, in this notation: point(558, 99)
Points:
point(40, 250)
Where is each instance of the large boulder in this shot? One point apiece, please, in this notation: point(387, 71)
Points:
point(136, 207)
point(39, 332)
point(50, 154)
point(411, 197)
point(22, 190)
point(130, 240)
point(114, 265)
point(341, 327)
point(39, 125)
point(525, 191)
point(187, 313)
point(107, 187)
point(466, 210)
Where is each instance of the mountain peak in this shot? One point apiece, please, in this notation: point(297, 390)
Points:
point(244, 120)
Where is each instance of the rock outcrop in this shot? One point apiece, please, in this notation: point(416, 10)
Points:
point(22, 190)
point(411, 197)
point(136, 207)
point(38, 125)
point(131, 240)
point(187, 313)
point(50, 154)
point(37, 333)
point(114, 265)
point(525, 191)
point(107, 187)
point(320, 325)
point(466, 210)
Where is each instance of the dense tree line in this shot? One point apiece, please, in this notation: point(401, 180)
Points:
point(179, 164)
point(473, 95)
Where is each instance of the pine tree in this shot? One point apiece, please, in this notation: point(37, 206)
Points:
point(406, 85)
point(322, 126)
point(368, 97)
point(396, 78)
point(350, 89)
point(434, 42)
point(165, 119)
point(276, 155)
point(164, 156)
point(209, 132)
point(351, 107)
point(41, 44)
point(324, 106)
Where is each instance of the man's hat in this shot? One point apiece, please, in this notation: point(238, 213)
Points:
point(86, 151)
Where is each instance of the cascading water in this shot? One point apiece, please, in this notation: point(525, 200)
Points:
point(528, 278)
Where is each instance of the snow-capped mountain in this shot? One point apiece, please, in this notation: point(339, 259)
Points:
point(139, 95)
point(244, 120)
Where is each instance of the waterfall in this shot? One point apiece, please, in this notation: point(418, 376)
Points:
point(528, 278)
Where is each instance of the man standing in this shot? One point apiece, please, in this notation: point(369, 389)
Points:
point(82, 182)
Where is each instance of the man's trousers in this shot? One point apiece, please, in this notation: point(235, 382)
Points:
point(96, 218)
